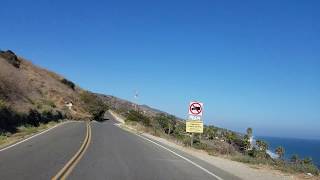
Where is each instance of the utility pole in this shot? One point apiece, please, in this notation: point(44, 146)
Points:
point(136, 95)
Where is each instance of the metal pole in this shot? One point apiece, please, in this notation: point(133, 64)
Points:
point(192, 139)
point(136, 100)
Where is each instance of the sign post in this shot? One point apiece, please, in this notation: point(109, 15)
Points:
point(194, 123)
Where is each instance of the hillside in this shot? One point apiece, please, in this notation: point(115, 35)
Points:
point(25, 86)
point(122, 105)
point(30, 95)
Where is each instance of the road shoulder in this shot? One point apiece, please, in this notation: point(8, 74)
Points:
point(21, 137)
point(241, 170)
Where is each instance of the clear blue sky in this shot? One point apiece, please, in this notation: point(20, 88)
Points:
point(253, 63)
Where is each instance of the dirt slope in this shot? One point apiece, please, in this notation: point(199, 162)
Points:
point(24, 86)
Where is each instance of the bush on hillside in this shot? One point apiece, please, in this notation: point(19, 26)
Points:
point(180, 129)
point(45, 104)
point(68, 83)
point(300, 167)
point(11, 58)
point(166, 122)
point(10, 119)
point(51, 115)
point(209, 132)
point(2, 104)
point(251, 160)
point(138, 117)
point(34, 118)
point(95, 106)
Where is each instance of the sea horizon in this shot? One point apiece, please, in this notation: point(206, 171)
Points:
point(289, 137)
point(300, 146)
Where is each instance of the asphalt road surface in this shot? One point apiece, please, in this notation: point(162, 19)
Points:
point(112, 153)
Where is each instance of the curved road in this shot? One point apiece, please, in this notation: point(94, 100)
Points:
point(112, 154)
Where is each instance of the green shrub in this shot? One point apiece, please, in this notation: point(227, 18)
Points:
point(297, 167)
point(34, 118)
point(166, 122)
point(28, 129)
point(186, 140)
point(44, 104)
point(95, 106)
point(179, 131)
point(10, 119)
point(138, 117)
point(253, 152)
point(68, 83)
point(47, 115)
point(251, 160)
point(49, 103)
point(11, 58)
point(209, 132)
point(199, 145)
point(180, 128)
point(3, 138)
point(2, 104)
point(307, 160)
point(280, 164)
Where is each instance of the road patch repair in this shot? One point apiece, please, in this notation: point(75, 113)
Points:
point(71, 164)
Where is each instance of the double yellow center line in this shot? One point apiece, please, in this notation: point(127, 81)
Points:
point(71, 164)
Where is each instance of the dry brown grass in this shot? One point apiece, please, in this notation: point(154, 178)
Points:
point(22, 87)
point(24, 132)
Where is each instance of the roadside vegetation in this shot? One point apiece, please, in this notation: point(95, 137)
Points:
point(217, 141)
point(31, 97)
point(32, 87)
point(24, 131)
point(11, 58)
point(95, 106)
point(10, 120)
point(68, 83)
point(15, 126)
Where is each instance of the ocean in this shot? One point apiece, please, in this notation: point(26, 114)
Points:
point(302, 147)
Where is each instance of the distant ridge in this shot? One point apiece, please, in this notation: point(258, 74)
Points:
point(121, 104)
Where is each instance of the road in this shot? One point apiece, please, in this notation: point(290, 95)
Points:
point(111, 153)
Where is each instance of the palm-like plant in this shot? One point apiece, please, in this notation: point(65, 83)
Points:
point(249, 132)
point(263, 145)
point(294, 158)
point(307, 160)
point(246, 142)
point(247, 139)
point(280, 151)
point(209, 132)
point(231, 137)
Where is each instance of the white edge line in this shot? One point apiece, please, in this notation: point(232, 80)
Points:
point(188, 160)
point(17, 143)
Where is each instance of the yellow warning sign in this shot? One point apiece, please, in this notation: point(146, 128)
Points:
point(194, 126)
